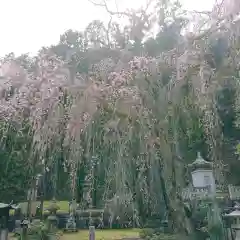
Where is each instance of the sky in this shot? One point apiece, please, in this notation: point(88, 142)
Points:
point(27, 25)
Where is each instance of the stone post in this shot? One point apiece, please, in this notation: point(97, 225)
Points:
point(91, 233)
point(4, 234)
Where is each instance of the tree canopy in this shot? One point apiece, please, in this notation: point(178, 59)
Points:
point(125, 109)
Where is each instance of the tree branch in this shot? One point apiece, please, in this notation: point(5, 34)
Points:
point(104, 4)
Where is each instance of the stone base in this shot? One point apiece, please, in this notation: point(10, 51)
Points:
point(70, 230)
point(237, 234)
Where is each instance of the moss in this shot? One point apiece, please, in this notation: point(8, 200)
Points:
point(62, 204)
point(103, 234)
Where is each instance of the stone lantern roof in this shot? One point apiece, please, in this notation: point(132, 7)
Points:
point(235, 213)
point(10, 206)
point(200, 163)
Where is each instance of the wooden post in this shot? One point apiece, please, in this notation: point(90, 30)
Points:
point(91, 233)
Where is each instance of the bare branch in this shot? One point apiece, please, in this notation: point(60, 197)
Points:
point(200, 13)
point(107, 32)
point(104, 4)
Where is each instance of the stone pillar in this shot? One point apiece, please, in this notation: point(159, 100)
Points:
point(4, 234)
point(91, 233)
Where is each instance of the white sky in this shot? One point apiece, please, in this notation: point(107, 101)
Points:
point(27, 25)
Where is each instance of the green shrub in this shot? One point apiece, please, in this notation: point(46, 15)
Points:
point(163, 237)
point(157, 234)
point(40, 231)
point(146, 232)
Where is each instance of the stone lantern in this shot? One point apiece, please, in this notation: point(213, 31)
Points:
point(204, 190)
point(234, 217)
point(4, 217)
point(52, 218)
point(202, 174)
point(71, 222)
